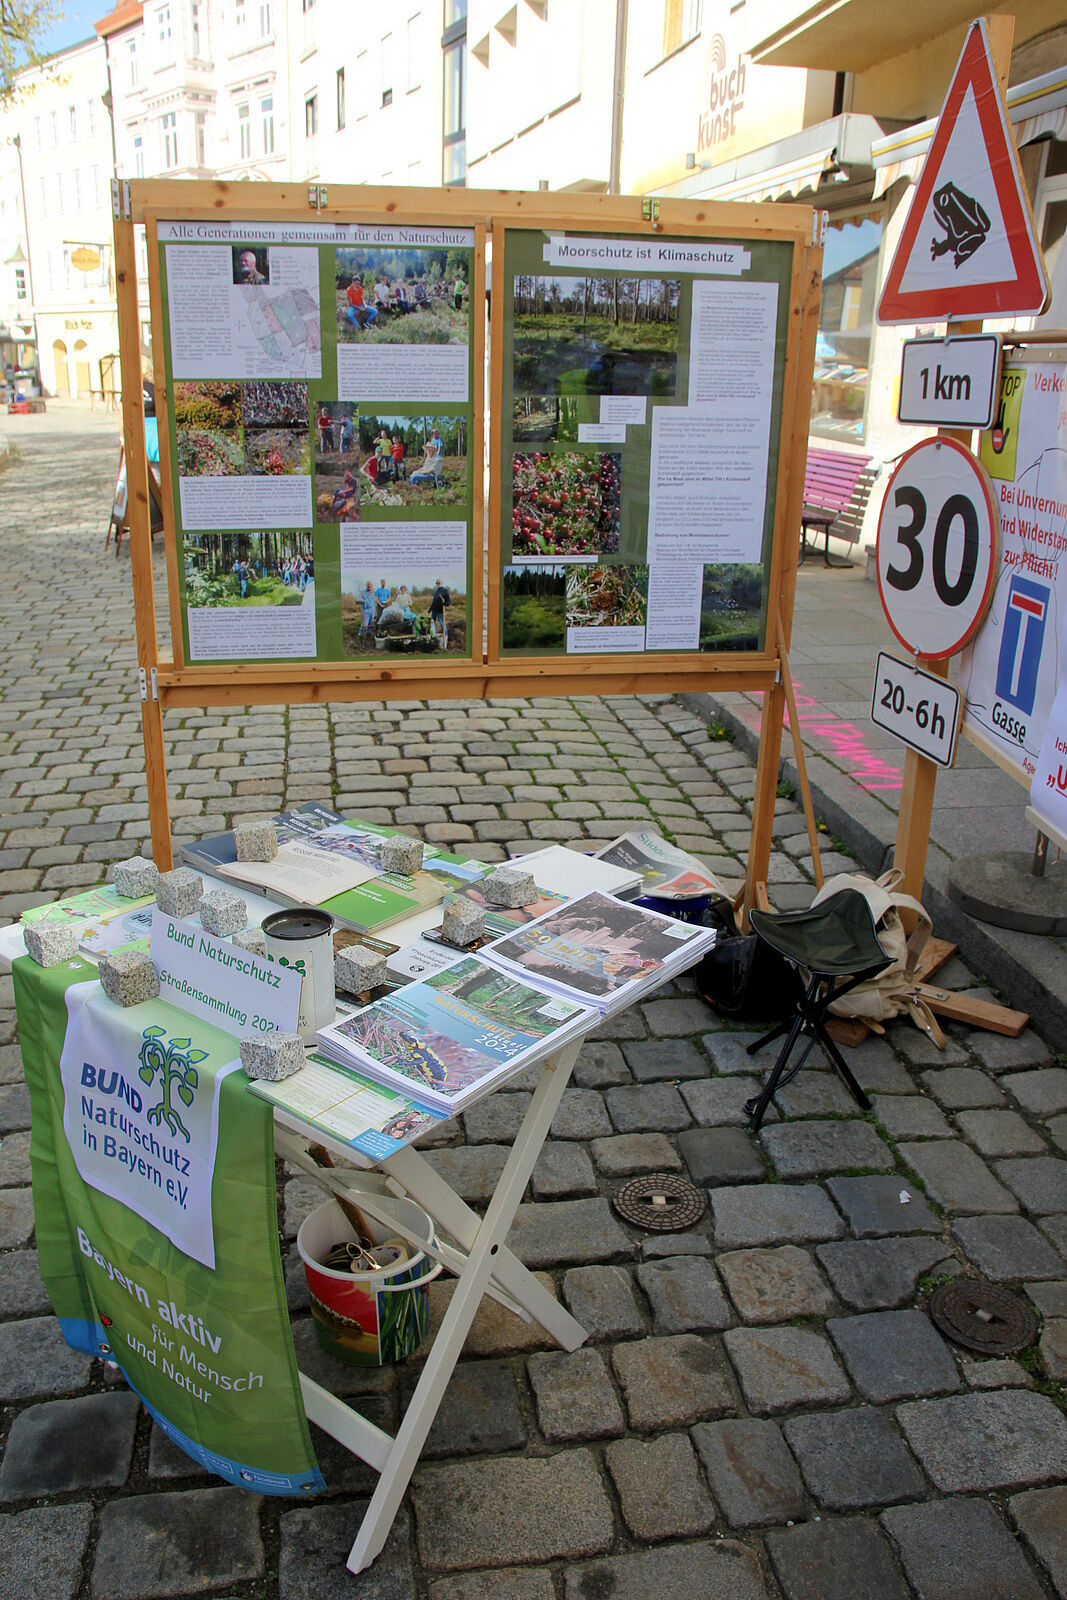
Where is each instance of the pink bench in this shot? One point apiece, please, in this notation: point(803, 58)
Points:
point(836, 489)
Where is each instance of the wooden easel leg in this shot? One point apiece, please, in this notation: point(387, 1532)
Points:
point(802, 766)
point(156, 775)
point(770, 749)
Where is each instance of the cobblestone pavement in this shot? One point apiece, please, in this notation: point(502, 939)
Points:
point(762, 1408)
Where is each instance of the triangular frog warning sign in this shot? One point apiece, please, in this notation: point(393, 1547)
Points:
point(969, 247)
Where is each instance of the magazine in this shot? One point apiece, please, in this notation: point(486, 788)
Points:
point(350, 1107)
point(665, 871)
point(600, 951)
point(452, 1038)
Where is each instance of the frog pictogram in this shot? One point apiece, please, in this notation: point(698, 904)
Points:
point(963, 220)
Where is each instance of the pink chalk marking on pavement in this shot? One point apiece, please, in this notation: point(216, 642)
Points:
point(844, 744)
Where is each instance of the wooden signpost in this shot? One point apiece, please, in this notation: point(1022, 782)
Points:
point(649, 367)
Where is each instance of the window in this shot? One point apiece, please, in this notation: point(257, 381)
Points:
point(133, 64)
point(94, 186)
point(681, 22)
point(264, 19)
point(165, 45)
point(67, 272)
point(311, 128)
point(53, 128)
point(20, 283)
point(340, 98)
point(138, 156)
point(43, 196)
point(846, 322)
point(308, 7)
point(72, 123)
point(455, 11)
point(244, 130)
point(201, 138)
point(385, 68)
point(239, 13)
point(170, 140)
point(266, 117)
point(197, 42)
point(453, 128)
point(76, 189)
point(90, 118)
point(414, 51)
point(36, 133)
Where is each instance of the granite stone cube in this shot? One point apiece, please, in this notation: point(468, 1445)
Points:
point(250, 939)
point(255, 841)
point(223, 911)
point(128, 977)
point(507, 886)
point(49, 943)
point(463, 922)
point(401, 854)
point(135, 878)
point(273, 1056)
point(357, 969)
point(179, 893)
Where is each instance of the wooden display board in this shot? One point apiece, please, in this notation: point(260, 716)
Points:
point(643, 381)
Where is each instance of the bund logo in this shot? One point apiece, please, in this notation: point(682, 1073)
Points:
point(174, 1064)
point(726, 97)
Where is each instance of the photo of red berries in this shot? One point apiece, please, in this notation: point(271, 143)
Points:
point(565, 504)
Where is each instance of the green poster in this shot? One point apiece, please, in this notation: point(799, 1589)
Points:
point(320, 382)
point(154, 1200)
point(641, 406)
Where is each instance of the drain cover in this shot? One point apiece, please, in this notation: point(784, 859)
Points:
point(980, 1316)
point(660, 1202)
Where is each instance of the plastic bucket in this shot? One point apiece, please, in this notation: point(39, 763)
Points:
point(368, 1318)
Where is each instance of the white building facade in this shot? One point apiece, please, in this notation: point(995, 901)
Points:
point(55, 222)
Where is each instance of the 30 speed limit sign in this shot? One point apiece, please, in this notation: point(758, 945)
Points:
point(938, 541)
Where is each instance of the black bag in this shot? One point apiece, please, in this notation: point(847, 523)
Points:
point(741, 977)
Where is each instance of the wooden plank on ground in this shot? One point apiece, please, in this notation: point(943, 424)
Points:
point(975, 1013)
point(933, 958)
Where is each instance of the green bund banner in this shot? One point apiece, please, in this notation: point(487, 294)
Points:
point(153, 1194)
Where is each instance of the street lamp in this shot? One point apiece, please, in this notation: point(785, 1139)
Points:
point(16, 140)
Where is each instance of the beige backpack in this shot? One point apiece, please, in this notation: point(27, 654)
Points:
point(893, 992)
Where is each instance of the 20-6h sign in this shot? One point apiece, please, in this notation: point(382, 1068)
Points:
point(938, 540)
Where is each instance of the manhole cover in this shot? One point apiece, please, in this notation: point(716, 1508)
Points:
point(660, 1202)
point(981, 1317)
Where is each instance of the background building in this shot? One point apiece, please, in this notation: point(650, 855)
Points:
point(757, 101)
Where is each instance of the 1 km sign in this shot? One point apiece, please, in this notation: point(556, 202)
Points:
point(938, 538)
point(949, 383)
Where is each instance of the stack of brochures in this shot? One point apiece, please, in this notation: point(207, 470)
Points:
point(459, 1032)
point(451, 1038)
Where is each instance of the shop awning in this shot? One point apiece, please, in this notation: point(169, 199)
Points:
point(777, 183)
point(1037, 109)
point(839, 149)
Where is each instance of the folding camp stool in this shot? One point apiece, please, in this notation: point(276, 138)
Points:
point(836, 944)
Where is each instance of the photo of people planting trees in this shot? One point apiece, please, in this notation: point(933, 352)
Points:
point(412, 461)
point(565, 504)
point(595, 335)
point(398, 296)
point(249, 569)
point(411, 611)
